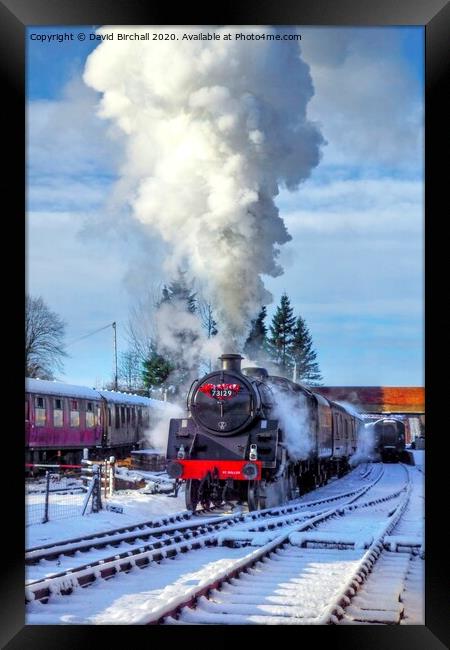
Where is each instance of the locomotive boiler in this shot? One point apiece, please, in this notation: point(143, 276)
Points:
point(234, 444)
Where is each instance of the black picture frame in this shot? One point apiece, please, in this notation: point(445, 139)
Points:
point(15, 16)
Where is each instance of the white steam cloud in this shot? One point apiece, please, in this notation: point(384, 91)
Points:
point(213, 129)
point(292, 412)
point(365, 441)
point(156, 436)
point(180, 333)
point(365, 450)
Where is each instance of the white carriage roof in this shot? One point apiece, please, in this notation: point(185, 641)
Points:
point(45, 387)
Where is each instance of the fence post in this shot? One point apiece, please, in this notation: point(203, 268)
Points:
point(47, 494)
point(97, 493)
point(112, 476)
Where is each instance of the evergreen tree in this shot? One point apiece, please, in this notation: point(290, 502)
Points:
point(304, 356)
point(255, 345)
point(180, 291)
point(281, 336)
point(156, 370)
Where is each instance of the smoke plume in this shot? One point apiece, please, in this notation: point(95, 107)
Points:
point(213, 130)
point(155, 437)
point(365, 449)
point(365, 441)
point(292, 412)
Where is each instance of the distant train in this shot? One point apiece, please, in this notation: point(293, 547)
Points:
point(232, 444)
point(388, 438)
point(61, 420)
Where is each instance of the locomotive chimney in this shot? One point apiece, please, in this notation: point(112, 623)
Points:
point(231, 362)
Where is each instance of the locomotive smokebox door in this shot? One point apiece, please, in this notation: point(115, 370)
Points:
point(224, 401)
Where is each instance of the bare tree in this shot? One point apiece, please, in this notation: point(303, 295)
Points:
point(130, 371)
point(44, 334)
point(140, 328)
point(206, 316)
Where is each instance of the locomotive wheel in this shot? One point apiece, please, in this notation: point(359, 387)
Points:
point(253, 495)
point(191, 494)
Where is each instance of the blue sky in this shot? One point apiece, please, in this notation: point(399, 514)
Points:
point(354, 268)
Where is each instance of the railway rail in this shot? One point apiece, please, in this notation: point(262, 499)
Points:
point(280, 583)
point(394, 591)
point(161, 541)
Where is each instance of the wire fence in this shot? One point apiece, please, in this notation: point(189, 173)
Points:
point(61, 495)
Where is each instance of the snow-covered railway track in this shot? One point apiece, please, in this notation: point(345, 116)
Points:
point(288, 582)
point(146, 529)
point(171, 541)
point(105, 537)
point(394, 590)
point(114, 538)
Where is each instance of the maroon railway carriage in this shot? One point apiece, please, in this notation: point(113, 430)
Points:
point(61, 420)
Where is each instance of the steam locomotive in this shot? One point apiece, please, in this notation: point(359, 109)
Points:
point(236, 442)
point(388, 438)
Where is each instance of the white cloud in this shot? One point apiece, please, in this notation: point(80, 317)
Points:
point(367, 100)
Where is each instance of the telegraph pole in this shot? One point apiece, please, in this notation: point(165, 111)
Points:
point(115, 354)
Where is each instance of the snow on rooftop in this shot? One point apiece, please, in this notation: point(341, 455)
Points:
point(46, 387)
point(43, 386)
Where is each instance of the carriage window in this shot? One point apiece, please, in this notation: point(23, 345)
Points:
point(74, 413)
point(128, 413)
point(27, 410)
point(57, 412)
point(337, 426)
point(109, 416)
point(139, 416)
point(89, 415)
point(117, 418)
point(90, 420)
point(133, 415)
point(122, 414)
point(40, 412)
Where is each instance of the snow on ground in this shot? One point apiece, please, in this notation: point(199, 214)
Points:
point(394, 591)
point(419, 458)
point(365, 523)
point(137, 507)
point(128, 597)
